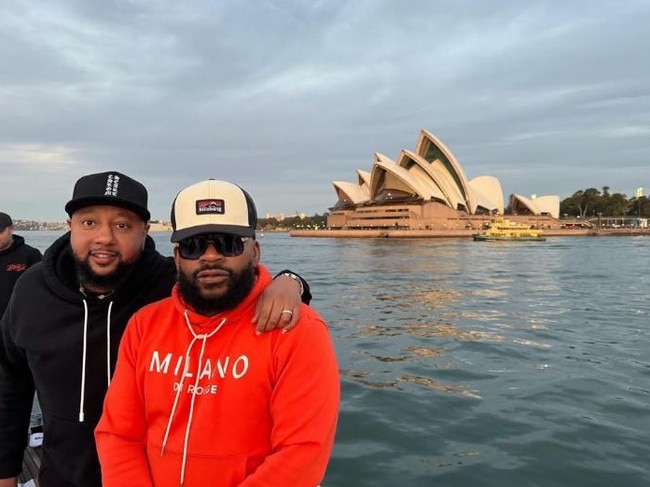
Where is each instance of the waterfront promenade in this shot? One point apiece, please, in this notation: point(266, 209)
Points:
point(386, 233)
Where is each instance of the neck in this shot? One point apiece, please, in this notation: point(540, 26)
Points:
point(95, 292)
point(8, 244)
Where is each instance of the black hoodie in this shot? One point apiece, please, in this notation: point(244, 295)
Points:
point(42, 345)
point(14, 260)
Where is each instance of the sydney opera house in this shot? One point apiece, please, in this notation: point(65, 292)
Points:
point(426, 189)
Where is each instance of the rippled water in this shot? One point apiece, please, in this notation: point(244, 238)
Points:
point(482, 363)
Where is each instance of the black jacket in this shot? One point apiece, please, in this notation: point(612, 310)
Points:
point(42, 344)
point(14, 261)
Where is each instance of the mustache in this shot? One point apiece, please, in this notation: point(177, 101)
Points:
point(213, 267)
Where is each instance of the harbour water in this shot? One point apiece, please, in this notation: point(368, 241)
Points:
point(481, 363)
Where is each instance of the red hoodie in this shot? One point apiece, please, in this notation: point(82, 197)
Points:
point(199, 401)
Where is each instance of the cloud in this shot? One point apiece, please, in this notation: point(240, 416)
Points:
point(629, 131)
point(286, 96)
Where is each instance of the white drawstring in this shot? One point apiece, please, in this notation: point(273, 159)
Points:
point(204, 338)
point(191, 415)
point(83, 364)
point(178, 393)
point(108, 344)
point(82, 415)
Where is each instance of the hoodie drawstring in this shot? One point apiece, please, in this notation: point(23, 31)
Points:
point(83, 364)
point(108, 344)
point(82, 415)
point(204, 338)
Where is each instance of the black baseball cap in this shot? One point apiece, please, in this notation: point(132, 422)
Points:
point(109, 188)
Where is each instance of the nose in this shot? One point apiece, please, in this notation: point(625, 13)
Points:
point(211, 252)
point(105, 234)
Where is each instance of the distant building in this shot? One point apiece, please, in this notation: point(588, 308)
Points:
point(423, 189)
point(540, 205)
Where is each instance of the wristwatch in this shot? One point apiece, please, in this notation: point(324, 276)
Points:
point(291, 275)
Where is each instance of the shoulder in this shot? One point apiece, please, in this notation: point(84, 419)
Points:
point(34, 250)
point(152, 279)
point(30, 290)
point(155, 262)
point(32, 277)
point(310, 328)
point(34, 254)
point(154, 312)
point(310, 315)
point(154, 321)
point(307, 352)
point(29, 253)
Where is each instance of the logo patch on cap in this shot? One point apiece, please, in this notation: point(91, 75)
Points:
point(112, 185)
point(212, 206)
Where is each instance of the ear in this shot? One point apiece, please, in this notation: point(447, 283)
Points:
point(69, 222)
point(144, 234)
point(257, 252)
point(177, 256)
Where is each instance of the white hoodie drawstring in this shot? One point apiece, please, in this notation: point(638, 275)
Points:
point(82, 415)
point(83, 364)
point(108, 344)
point(204, 338)
point(178, 393)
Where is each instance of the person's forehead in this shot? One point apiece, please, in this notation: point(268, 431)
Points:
point(105, 210)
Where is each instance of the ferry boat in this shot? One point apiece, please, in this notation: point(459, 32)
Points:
point(504, 229)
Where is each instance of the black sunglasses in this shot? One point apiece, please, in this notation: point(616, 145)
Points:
point(227, 245)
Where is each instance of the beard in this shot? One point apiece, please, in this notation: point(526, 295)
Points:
point(239, 286)
point(94, 282)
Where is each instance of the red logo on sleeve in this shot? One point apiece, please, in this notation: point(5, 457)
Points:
point(16, 267)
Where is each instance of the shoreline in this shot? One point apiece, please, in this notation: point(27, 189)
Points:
point(385, 233)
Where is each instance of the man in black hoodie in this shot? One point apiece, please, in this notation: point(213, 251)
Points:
point(62, 327)
point(15, 258)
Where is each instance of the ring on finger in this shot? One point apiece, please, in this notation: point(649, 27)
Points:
point(288, 311)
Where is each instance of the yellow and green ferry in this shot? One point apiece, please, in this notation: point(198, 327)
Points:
point(504, 229)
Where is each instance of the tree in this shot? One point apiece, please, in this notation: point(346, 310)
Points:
point(616, 205)
point(572, 205)
point(587, 202)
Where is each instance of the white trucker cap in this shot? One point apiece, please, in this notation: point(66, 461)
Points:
point(213, 206)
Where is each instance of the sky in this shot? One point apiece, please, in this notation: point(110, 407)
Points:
point(283, 97)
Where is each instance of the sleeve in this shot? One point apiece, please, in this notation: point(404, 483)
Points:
point(304, 406)
point(306, 291)
point(121, 433)
point(16, 396)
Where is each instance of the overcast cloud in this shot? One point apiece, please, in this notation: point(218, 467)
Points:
point(283, 97)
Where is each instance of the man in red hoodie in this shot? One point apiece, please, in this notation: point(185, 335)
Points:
point(197, 398)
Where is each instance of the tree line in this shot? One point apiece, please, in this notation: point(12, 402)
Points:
point(591, 202)
point(295, 222)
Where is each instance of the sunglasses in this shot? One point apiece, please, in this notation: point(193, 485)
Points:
point(227, 245)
